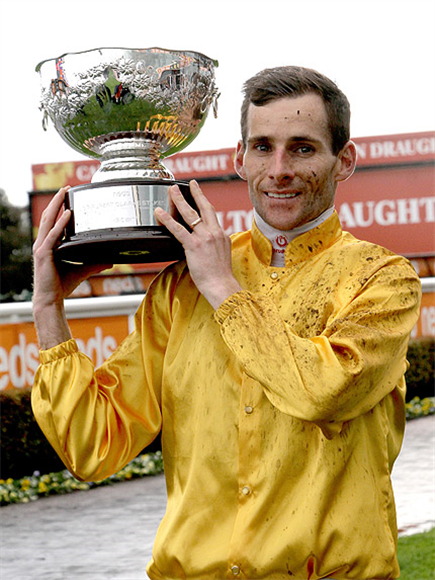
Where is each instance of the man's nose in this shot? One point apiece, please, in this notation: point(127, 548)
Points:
point(281, 166)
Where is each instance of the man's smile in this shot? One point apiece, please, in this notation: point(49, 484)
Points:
point(281, 195)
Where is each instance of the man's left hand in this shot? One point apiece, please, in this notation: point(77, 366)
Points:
point(207, 247)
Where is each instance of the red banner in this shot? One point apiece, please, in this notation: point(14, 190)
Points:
point(396, 149)
point(390, 200)
point(372, 151)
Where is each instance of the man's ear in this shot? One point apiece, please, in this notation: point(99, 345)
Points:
point(346, 161)
point(238, 160)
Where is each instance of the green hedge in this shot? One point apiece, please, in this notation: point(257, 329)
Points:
point(25, 449)
point(420, 378)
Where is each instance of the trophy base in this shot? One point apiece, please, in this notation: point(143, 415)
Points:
point(121, 246)
point(113, 223)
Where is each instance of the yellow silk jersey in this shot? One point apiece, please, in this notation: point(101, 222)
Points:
point(282, 413)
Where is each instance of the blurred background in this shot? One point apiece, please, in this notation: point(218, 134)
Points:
point(380, 52)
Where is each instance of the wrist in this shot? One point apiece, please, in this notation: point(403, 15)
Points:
point(45, 306)
point(218, 293)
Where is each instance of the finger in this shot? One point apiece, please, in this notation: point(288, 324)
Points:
point(172, 208)
point(52, 238)
point(178, 200)
point(92, 269)
point(157, 213)
point(81, 272)
point(55, 234)
point(172, 225)
point(50, 213)
point(190, 216)
point(206, 210)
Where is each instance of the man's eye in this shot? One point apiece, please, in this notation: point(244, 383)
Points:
point(305, 149)
point(262, 147)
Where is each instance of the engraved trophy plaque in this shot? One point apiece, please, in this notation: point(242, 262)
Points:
point(129, 108)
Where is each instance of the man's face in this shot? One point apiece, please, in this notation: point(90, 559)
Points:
point(288, 162)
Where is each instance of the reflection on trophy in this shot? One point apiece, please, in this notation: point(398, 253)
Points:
point(129, 108)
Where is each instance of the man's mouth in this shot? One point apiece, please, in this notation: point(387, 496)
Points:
point(281, 195)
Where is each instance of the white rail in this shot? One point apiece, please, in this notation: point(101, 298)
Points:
point(76, 308)
point(12, 312)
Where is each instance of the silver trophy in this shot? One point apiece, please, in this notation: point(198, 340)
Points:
point(129, 108)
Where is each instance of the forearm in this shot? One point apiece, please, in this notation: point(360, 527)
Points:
point(53, 282)
point(51, 325)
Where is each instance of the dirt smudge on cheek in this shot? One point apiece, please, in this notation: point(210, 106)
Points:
point(312, 178)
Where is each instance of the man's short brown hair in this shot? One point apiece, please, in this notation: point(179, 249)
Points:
point(293, 81)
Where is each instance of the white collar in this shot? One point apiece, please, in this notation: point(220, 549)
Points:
point(280, 238)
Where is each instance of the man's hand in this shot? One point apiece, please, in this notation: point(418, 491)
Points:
point(207, 247)
point(50, 285)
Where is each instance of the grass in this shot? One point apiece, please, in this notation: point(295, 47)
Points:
point(417, 556)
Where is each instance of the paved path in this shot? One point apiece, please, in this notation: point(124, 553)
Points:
point(107, 533)
point(414, 478)
point(102, 534)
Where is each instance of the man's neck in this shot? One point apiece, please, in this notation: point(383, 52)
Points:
point(280, 238)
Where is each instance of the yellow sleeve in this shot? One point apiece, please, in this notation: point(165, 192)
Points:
point(328, 379)
point(99, 420)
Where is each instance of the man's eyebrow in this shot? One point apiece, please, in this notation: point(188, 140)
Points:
point(256, 139)
point(305, 138)
point(293, 139)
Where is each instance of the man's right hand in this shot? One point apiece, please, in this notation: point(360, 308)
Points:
point(52, 284)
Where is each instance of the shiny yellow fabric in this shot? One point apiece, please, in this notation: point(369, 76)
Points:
point(282, 413)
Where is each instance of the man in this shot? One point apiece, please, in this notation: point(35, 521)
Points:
point(277, 378)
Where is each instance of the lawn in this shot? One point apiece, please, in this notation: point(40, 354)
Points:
point(417, 556)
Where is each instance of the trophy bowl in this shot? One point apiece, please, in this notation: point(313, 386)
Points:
point(129, 108)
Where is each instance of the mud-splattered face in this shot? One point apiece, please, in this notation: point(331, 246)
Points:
point(288, 163)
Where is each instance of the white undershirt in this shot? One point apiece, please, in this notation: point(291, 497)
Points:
point(280, 238)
